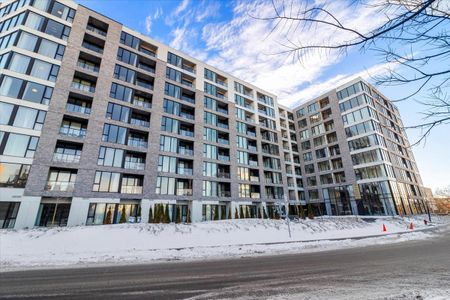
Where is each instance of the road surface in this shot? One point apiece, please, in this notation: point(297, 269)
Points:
point(393, 271)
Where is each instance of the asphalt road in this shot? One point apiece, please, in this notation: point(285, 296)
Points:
point(404, 270)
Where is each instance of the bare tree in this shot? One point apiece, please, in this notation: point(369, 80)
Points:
point(411, 36)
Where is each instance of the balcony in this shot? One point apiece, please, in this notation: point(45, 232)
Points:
point(254, 178)
point(92, 47)
point(184, 192)
point(88, 65)
point(96, 30)
point(142, 102)
point(185, 132)
point(184, 171)
point(83, 87)
point(74, 132)
point(66, 158)
point(60, 186)
point(134, 165)
point(139, 143)
point(78, 109)
point(222, 125)
point(253, 163)
point(139, 122)
point(188, 99)
point(185, 151)
point(131, 189)
point(224, 194)
point(223, 157)
point(144, 84)
point(223, 175)
point(188, 68)
point(223, 141)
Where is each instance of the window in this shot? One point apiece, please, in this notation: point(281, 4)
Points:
point(51, 49)
point(114, 134)
point(243, 173)
point(127, 56)
point(210, 169)
point(309, 169)
point(171, 107)
point(63, 12)
point(12, 22)
point(124, 74)
point(5, 113)
point(244, 191)
point(173, 74)
point(61, 180)
point(8, 212)
point(210, 134)
point(13, 175)
point(19, 145)
point(29, 118)
point(307, 156)
point(8, 40)
point(170, 125)
point(304, 134)
point(172, 90)
point(174, 59)
point(209, 151)
point(44, 70)
point(306, 145)
point(167, 164)
point(131, 184)
point(129, 40)
point(37, 93)
point(165, 185)
point(121, 92)
point(313, 107)
point(168, 144)
point(118, 112)
point(19, 63)
point(106, 182)
point(10, 87)
point(110, 157)
point(57, 30)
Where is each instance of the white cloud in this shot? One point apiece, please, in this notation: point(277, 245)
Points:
point(183, 5)
point(148, 24)
point(248, 49)
point(150, 18)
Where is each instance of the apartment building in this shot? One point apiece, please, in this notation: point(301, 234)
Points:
point(101, 124)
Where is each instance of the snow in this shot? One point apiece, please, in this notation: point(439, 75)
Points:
point(138, 243)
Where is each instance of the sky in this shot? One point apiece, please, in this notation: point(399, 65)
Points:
point(226, 35)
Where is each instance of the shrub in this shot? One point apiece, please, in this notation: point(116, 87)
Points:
point(123, 217)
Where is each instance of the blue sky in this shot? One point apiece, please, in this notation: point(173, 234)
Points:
point(223, 34)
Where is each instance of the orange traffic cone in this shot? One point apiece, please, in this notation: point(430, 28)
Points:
point(384, 228)
point(411, 226)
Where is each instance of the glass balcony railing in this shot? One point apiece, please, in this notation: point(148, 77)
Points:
point(223, 141)
point(184, 192)
point(137, 143)
point(134, 165)
point(140, 122)
point(185, 171)
point(60, 186)
point(254, 178)
point(223, 174)
point(186, 133)
point(224, 194)
point(131, 189)
point(222, 111)
point(146, 68)
point(188, 99)
point(223, 157)
point(141, 103)
point(66, 158)
point(75, 132)
point(92, 47)
point(144, 84)
point(187, 68)
point(78, 108)
point(96, 30)
point(185, 151)
point(187, 116)
point(83, 87)
point(148, 52)
point(86, 66)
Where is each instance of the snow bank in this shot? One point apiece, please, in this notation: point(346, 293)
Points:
point(135, 243)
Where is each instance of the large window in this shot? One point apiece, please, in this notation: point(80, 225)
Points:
point(61, 180)
point(168, 144)
point(34, 92)
point(8, 213)
point(127, 56)
point(118, 112)
point(18, 144)
point(165, 185)
point(129, 40)
point(13, 175)
point(114, 134)
point(110, 157)
point(167, 164)
point(170, 125)
point(124, 74)
point(121, 92)
point(106, 182)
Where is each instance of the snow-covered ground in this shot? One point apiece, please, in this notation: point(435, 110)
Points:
point(137, 243)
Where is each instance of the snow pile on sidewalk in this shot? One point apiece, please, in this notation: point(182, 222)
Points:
point(135, 243)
